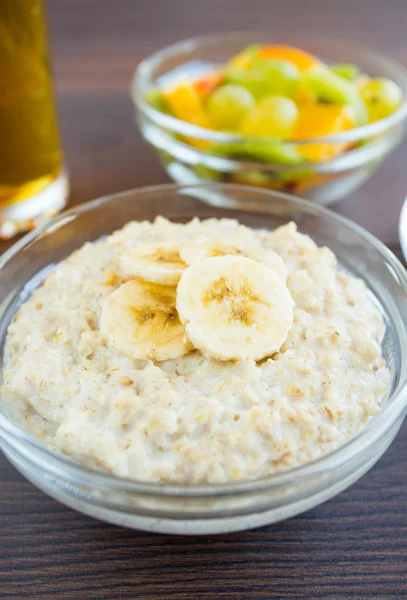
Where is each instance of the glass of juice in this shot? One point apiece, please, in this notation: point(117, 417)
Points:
point(33, 181)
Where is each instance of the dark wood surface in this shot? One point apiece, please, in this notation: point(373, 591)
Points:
point(354, 546)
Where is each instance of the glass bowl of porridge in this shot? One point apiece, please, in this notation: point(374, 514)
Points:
point(201, 358)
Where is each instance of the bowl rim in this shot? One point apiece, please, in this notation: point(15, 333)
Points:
point(106, 481)
point(351, 159)
point(141, 82)
point(403, 228)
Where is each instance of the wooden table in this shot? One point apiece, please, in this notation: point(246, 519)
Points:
point(354, 546)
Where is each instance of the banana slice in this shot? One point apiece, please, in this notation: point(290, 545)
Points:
point(234, 308)
point(158, 263)
point(140, 320)
point(196, 252)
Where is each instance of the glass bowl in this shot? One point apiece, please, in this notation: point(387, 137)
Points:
point(403, 229)
point(203, 509)
point(190, 153)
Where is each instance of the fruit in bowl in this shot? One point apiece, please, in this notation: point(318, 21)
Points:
point(285, 117)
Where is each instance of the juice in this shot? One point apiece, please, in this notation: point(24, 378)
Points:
point(32, 182)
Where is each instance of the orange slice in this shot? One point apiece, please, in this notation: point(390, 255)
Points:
point(312, 180)
point(301, 59)
point(186, 105)
point(316, 120)
point(207, 84)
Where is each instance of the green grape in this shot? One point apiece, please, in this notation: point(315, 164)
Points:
point(155, 99)
point(228, 105)
point(382, 97)
point(279, 77)
point(274, 117)
point(334, 89)
point(247, 55)
point(252, 178)
point(293, 175)
point(205, 173)
point(266, 77)
point(238, 76)
point(327, 86)
point(273, 152)
point(345, 70)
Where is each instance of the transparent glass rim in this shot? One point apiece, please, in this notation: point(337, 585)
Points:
point(365, 438)
point(350, 160)
point(403, 228)
point(143, 80)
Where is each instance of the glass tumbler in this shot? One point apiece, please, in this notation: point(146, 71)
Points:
point(33, 181)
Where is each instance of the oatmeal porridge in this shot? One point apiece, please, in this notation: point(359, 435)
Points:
point(204, 352)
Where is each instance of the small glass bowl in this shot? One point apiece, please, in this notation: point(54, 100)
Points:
point(203, 509)
point(191, 154)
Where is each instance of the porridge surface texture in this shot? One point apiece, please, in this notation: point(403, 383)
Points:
point(195, 419)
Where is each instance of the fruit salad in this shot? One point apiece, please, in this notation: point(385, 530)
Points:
point(277, 98)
